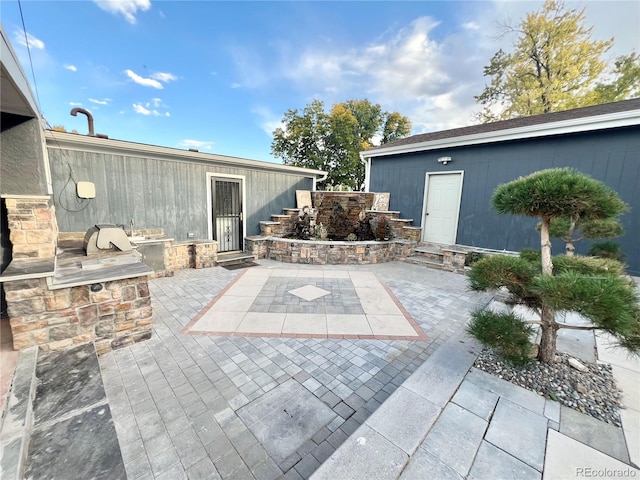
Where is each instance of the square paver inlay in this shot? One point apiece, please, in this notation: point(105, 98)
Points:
point(314, 303)
point(309, 292)
point(285, 418)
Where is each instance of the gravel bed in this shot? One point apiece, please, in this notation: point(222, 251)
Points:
point(593, 392)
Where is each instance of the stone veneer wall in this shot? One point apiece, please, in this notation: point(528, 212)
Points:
point(401, 229)
point(327, 253)
point(117, 315)
point(205, 254)
point(178, 256)
point(349, 203)
point(33, 226)
point(182, 255)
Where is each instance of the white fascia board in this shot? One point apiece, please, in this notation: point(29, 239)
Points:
point(16, 74)
point(576, 125)
point(71, 141)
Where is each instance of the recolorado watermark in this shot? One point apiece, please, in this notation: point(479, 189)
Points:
point(589, 472)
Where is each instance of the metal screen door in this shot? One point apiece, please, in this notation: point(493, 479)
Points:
point(226, 199)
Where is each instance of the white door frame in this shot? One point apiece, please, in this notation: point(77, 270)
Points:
point(210, 176)
point(426, 193)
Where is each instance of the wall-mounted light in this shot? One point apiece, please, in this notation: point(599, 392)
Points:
point(444, 160)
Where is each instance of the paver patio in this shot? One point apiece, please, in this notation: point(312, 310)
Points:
point(187, 405)
point(180, 401)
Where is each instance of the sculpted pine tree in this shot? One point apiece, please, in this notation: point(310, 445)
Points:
point(554, 65)
point(572, 230)
point(595, 288)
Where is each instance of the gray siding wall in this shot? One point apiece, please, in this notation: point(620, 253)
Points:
point(158, 193)
point(610, 156)
point(22, 160)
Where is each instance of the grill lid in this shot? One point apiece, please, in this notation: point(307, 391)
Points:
point(102, 238)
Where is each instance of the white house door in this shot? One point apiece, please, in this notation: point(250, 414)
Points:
point(441, 207)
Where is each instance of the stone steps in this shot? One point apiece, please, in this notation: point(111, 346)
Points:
point(442, 257)
point(428, 262)
point(282, 224)
point(234, 258)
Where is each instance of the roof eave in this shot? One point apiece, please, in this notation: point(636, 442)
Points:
point(576, 125)
point(73, 141)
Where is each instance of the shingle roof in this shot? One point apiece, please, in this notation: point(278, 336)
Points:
point(545, 118)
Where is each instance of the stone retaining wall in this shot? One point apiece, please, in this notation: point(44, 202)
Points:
point(327, 253)
point(117, 315)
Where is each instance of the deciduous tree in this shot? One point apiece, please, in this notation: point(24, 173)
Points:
point(554, 65)
point(333, 141)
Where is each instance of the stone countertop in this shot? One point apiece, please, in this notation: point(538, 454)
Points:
point(74, 268)
point(27, 268)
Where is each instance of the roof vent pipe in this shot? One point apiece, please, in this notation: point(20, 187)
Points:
point(75, 112)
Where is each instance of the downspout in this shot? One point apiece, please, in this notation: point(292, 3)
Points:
point(321, 179)
point(367, 171)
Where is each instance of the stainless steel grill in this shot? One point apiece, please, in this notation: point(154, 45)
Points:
point(104, 238)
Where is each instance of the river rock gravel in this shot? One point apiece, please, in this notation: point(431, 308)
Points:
point(593, 392)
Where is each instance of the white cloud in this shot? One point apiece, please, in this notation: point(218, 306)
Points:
point(73, 68)
point(154, 80)
point(30, 41)
point(429, 69)
point(145, 82)
point(100, 102)
point(75, 104)
point(163, 77)
point(236, 85)
point(198, 144)
point(150, 108)
point(403, 68)
point(268, 120)
point(127, 8)
point(138, 108)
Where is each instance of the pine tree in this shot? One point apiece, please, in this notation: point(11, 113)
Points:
point(595, 288)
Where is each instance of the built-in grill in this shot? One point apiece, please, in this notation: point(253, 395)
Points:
point(104, 238)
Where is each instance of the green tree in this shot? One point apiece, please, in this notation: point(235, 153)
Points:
point(554, 65)
point(573, 230)
point(625, 83)
point(333, 141)
point(595, 288)
point(396, 126)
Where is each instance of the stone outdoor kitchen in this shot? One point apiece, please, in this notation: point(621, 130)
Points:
point(57, 301)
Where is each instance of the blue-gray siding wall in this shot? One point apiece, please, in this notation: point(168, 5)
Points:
point(610, 156)
point(158, 193)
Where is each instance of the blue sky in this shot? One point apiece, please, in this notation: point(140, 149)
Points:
point(219, 76)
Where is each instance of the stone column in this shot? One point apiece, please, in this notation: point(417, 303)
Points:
point(33, 229)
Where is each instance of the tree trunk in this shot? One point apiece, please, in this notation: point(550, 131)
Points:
point(548, 324)
point(569, 248)
point(545, 247)
point(549, 329)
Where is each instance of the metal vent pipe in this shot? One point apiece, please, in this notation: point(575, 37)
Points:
point(77, 110)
